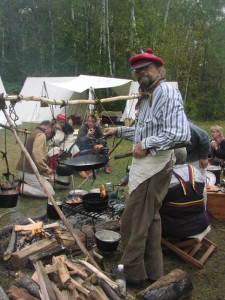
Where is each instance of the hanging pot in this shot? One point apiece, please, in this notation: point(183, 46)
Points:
point(51, 212)
point(93, 202)
point(64, 170)
point(8, 196)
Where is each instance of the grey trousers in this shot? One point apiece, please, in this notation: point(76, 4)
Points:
point(141, 228)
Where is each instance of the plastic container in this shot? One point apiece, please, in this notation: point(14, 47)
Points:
point(121, 279)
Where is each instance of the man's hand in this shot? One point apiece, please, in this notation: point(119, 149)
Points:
point(138, 152)
point(110, 131)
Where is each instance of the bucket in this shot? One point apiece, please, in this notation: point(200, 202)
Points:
point(51, 212)
point(216, 170)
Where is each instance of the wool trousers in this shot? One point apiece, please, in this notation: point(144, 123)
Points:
point(32, 187)
point(141, 228)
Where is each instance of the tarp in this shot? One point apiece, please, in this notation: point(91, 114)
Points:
point(2, 90)
point(63, 88)
point(129, 111)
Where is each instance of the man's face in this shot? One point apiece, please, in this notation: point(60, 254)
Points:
point(147, 75)
point(48, 131)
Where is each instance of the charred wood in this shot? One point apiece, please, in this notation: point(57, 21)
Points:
point(27, 283)
point(175, 285)
point(11, 246)
point(3, 295)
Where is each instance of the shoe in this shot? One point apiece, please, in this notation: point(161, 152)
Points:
point(85, 174)
point(108, 170)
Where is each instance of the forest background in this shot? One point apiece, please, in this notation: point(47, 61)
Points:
point(97, 37)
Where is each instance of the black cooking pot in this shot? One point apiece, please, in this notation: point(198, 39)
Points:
point(107, 240)
point(51, 211)
point(8, 196)
point(64, 170)
point(87, 162)
point(93, 202)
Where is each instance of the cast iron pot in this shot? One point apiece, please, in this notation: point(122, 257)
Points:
point(51, 212)
point(64, 170)
point(107, 240)
point(87, 162)
point(8, 196)
point(93, 202)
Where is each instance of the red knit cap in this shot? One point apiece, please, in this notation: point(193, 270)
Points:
point(61, 117)
point(144, 59)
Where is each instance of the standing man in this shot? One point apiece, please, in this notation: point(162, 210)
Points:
point(160, 123)
point(36, 145)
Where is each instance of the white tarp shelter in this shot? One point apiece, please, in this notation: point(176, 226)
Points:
point(2, 91)
point(63, 88)
point(129, 111)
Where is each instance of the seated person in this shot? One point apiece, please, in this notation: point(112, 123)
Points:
point(183, 211)
point(36, 145)
point(68, 147)
point(217, 147)
point(90, 139)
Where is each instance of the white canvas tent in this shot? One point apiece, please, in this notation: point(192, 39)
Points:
point(63, 88)
point(129, 111)
point(2, 91)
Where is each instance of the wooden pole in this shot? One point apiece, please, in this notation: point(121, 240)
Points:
point(50, 197)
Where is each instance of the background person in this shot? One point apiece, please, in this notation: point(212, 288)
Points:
point(36, 145)
point(160, 123)
point(90, 138)
point(217, 146)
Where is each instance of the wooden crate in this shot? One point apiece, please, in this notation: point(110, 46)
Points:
point(216, 205)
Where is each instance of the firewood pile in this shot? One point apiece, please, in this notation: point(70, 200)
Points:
point(64, 279)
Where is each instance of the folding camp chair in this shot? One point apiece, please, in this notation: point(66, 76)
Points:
point(194, 250)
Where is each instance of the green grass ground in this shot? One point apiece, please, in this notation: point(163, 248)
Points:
point(208, 282)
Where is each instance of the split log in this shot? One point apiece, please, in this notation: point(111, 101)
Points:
point(27, 283)
point(35, 251)
point(108, 290)
point(176, 285)
point(58, 293)
point(7, 229)
point(3, 295)
point(63, 272)
point(15, 294)
point(11, 246)
point(44, 282)
point(73, 267)
point(34, 226)
point(52, 225)
point(99, 274)
point(75, 285)
point(95, 294)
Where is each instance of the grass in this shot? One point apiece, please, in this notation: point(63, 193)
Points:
point(208, 282)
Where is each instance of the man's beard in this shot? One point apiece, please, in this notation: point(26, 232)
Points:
point(145, 81)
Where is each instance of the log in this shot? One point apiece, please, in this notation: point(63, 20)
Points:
point(15, 294)
point(58, 293)
point(99, 274)
point(3, 295)
point(175, 285)
point(73, 267)
point(75, 285)
point(7, 229)
point(42, 248)
point(11, 246)
point(27, 283)
point(108, 290)
point(63, 272)
point(95, 294)
point(44, 282)
point(34, 226)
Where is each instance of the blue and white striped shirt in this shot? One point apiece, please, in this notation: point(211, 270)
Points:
point(162, 124)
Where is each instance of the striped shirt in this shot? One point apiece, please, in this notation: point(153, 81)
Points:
point(162, 124)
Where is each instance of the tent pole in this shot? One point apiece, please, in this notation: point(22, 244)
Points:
point(50, 197)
